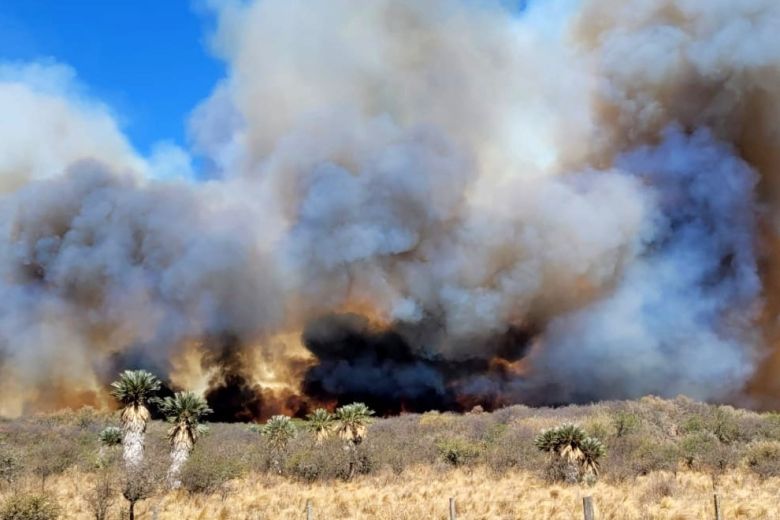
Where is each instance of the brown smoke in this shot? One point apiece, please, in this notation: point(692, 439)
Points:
point(413, 204)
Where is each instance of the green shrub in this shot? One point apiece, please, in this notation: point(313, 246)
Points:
point(625, 423)
point(29, 507)
point(763, 458)
point(696, 448)
point(458, 451)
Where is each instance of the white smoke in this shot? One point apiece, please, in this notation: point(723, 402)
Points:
point(586, 170)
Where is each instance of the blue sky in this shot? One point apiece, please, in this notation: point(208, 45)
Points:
point(148, 59)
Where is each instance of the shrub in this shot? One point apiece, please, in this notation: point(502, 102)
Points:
point(636, 454)
point(625, 423)
point(763, 458)
point(52, 456)
point(696, 448)
point(209, 472)
point(101, 497)
point(659, 486)
point(10, 468)
point(29, 507)
point(458, 451)
point(326, 460)
point(515, 450)
point(721, 421)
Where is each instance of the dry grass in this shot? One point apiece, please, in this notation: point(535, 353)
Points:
point(422, 493)
point(662, 457)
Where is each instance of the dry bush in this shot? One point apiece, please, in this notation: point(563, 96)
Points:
point(209, 470)
point(326, 460)
point(52, 455)
point(514, 450)
point(102, 495)
point(763, 458)
point(10, 466)
point(29, 507)
point(458, 451)
point(636, 454)
point(659, 486)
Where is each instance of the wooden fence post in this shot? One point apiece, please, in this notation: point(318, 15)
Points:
point(453, 516)
point(587, 508)
point(309, 516)
point(716, 500)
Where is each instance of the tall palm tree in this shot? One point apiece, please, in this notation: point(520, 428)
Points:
point(184, 410)
point(132, 390)
point(352, 420)
point(320, 422)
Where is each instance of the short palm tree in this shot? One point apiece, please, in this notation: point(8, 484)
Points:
point(109, 437)
point(592, 451)
point(321, 423)
point(184, 410)
point(278, 432)
point(352, 420)
point(580, 453)
point(132, 390)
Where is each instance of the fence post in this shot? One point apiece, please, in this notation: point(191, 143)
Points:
point(309, 516)
point(716, 500)
point(587, 508)
point(453, 516)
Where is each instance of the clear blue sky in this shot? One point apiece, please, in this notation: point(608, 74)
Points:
point(148, 59)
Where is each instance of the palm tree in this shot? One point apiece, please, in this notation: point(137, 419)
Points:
point(184, 410)
point(132, 389)
point(572, 445)
point(321, 423)
point(278, 432)
point(592, 450)
point(352, 421)
point(109, 437)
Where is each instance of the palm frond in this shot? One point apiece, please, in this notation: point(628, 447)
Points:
point(134, 387)
point(184, 410)
point(570, 442)
point(320, 420)
point(352, 420)
point(279, 430)
point(110, 436)
point(592, 450)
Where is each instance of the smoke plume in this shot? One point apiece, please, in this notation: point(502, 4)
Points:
point(414, 204)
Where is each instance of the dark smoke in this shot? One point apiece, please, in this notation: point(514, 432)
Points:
point(359, 362)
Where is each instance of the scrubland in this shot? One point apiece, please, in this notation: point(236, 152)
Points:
point(664, 460)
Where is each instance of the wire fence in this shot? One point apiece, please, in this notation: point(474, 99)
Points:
point(589, 511)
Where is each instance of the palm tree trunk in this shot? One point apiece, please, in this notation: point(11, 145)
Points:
point(133, 447)
point(132, 511)
point(179, 455)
